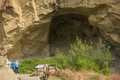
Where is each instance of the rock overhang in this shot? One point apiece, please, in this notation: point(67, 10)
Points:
point(33, 19)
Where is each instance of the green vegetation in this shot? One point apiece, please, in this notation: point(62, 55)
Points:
point(81, 56)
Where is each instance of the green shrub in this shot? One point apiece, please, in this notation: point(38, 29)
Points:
point(28, 65)
point(81, 56)
point(87, 57)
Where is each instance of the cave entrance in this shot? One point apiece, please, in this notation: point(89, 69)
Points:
point(65, 28)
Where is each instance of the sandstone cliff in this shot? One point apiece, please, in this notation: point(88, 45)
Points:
point(25, 24)
point(6, 73)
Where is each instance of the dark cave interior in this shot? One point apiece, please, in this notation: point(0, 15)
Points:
point(65, 28)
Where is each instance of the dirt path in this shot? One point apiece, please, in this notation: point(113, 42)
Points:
point(28, 77)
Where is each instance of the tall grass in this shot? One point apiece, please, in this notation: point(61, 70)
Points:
point(81, 56)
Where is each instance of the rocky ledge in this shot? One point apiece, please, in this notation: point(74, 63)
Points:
point(25, 24)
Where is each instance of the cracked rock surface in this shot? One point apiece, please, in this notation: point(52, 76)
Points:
point(25, 24)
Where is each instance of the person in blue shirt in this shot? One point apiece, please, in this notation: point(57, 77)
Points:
point(12, 65)
point(17, 64)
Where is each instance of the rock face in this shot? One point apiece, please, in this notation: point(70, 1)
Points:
point(6, 73)
point(25, 24)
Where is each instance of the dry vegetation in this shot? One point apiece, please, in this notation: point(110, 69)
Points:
point(67, 74)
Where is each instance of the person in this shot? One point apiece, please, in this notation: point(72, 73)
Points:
point(17, 64)
point(13, 66)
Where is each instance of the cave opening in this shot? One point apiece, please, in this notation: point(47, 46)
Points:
point(65, 28)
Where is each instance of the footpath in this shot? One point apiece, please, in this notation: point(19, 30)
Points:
point(27, 77)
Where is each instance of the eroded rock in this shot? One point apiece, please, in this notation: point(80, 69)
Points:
point(25, 23)
point(6, 73)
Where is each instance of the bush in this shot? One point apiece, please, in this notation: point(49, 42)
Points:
point(87, 57)
point(28, 65)
point(81, 56)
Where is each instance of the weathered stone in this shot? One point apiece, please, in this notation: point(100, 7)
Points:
point(7, 74)
point(2, 60)
point(25, 24)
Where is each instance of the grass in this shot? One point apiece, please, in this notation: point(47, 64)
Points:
point(81, 56)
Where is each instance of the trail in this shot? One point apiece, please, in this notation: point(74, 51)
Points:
point(28, 77)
